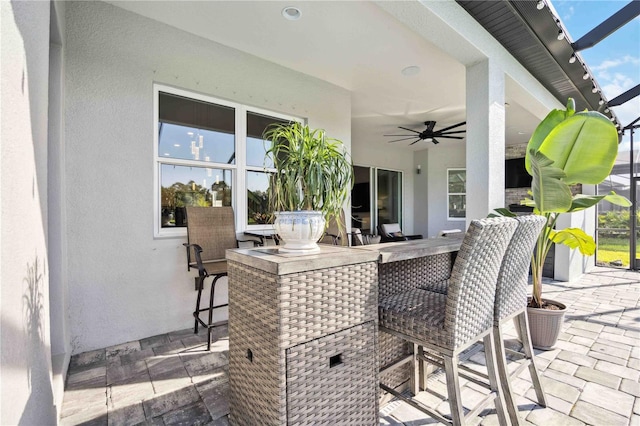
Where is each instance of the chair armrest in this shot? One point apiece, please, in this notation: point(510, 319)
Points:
point(414, 237)
point(196, 250)
point(256, 243)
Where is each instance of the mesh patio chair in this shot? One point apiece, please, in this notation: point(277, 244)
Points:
point(441, 326)
point(511, 304)
point(391, 232)
point(210, 232)
point(336, 235)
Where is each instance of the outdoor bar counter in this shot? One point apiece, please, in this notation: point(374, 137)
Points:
point(303, 328)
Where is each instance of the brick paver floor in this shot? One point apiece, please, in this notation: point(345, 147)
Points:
point(591, 377)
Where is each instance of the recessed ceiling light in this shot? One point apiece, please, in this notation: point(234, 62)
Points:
point(410, 70)
point(291, 13)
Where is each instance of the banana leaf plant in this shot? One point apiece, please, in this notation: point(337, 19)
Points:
point(567, 148)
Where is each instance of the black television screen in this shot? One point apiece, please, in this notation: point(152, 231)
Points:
point(515, 174)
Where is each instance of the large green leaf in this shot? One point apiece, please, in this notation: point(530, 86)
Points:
point(502, 212)
point(584, 145)
point(574, 238)
point(545, 127)
point(581, 201)
point(549, 191)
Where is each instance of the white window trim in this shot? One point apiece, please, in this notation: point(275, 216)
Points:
point(238, 170)
point(449, 218)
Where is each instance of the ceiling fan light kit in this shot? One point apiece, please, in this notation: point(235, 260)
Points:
point(429, 134)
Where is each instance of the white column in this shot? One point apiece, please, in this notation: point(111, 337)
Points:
point(485, 138)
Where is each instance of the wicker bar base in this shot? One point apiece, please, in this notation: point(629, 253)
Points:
point(302, 345)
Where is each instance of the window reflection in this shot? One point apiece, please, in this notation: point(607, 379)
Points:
point(257, 201)
point(183, 186)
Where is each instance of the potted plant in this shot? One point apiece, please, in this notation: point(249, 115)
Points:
point(312, 181)
point(567, 148)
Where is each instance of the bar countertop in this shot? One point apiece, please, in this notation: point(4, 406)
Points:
point(272, 260)
point(404, 250)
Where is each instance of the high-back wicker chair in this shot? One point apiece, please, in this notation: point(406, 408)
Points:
point(511, 304)
point(441, 326)
point(210, 232)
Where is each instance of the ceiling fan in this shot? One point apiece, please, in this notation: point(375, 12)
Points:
point(430, 135)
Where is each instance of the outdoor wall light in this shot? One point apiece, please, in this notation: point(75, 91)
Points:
point(606, 110)
point(601, 101)
point(540, 5)
point(585, 76)
point(560, 35)
point(572, 58)
point(419, 169)
point(594, 89)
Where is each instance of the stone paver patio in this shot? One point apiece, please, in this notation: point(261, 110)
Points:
point(591, 376)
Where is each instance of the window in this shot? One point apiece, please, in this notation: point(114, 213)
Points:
point(208, 152)
point(456, 194)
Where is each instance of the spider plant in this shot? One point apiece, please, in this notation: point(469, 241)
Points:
point(313, 171)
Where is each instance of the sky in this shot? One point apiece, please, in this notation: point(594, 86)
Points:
point(615, 61)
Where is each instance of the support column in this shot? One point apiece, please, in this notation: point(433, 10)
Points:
point(485, 146)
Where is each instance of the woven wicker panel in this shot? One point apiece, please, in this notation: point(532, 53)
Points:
point(472, 286)
point(511, 290)
point(391, 349)
point(342, 394)
point(256, 387)
point(269, 313)
point(396, 277)
point(315, 303)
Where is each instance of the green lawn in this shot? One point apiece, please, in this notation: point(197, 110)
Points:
point(612, 248)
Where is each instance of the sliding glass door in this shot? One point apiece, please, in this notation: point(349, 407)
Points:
point(376, 198)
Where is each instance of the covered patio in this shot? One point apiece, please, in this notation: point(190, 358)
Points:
point(92, 259)
point(590, 377)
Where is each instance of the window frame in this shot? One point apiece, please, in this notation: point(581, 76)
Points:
point(449, 194)
point(238, 169)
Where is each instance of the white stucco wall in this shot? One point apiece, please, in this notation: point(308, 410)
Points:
point(123, 283)
point(439, 160)
point(25, 362)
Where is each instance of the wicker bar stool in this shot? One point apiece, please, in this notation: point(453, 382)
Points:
point(210, 232)
point(511, 304)
point(441, 326)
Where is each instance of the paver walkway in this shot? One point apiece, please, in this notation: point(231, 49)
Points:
point(591, 377)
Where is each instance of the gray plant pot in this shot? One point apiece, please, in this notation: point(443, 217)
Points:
point(545, 325)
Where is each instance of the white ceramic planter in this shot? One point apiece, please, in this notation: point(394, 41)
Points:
point(299, 230)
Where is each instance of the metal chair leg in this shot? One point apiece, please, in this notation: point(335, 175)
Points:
point(196, 313)
point(522, 322)
point(494, 379)
point(453, 390)
point(503, 374)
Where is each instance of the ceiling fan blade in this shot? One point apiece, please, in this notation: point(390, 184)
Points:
point(453, 132)
point(450, 137)
point(417, 140)
point(401, 135)
point(403, 139)
point(411, 130)
point(430, 125)
point(452, 127)
point(435, 141)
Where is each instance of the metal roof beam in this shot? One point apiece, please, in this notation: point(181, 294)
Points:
point(608, 26)
point(626, 96)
